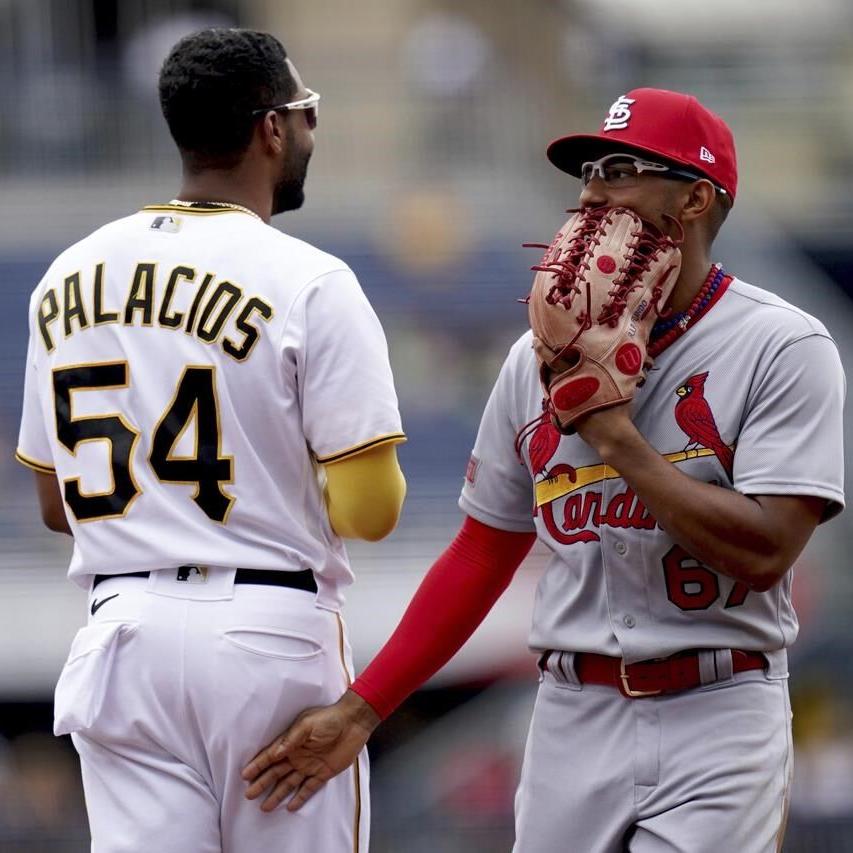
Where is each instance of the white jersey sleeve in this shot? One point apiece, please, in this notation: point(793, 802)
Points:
point(34, 448)
point(343, 372)
point(498, 490)
point(790, 442)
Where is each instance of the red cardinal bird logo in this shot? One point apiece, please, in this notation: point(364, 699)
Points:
point(543, 445)
point(544, 441)
point(695, 418)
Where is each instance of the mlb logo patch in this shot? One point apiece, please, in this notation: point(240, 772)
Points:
point(167, 224)
point(192, 574)
point(471, 470)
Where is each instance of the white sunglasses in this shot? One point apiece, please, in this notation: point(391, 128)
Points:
point(623, 170)
point(310, 104)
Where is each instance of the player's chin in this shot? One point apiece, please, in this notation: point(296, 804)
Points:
point(288, 197)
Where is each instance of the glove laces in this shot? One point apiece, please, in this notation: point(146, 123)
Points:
point(647, 243)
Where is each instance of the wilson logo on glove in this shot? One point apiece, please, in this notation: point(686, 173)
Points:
point(598, 290)
point(629, 359)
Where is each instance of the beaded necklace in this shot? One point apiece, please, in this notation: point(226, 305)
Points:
point(179, 203)
point(666, 331)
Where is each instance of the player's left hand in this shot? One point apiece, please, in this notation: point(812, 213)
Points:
point(319, 744)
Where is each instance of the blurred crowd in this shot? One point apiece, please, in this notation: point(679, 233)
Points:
point(428, 176)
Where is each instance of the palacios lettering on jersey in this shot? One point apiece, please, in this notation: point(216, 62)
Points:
point(179, 299)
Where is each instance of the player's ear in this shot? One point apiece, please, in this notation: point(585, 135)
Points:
point(271, 131)
point(698, 200)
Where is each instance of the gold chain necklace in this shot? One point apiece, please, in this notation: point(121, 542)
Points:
point(224, 204)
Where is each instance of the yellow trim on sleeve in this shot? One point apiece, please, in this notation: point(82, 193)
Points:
point(391, 438)
point(41, 467)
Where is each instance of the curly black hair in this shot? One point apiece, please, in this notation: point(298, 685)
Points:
point(209, 85)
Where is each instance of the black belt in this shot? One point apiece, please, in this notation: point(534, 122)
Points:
point(293, 580)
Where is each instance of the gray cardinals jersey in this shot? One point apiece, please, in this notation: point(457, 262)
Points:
point(750, 398)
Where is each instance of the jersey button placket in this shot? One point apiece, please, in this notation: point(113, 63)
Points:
point(621, 548)
point(624, 583)
point(612, 566)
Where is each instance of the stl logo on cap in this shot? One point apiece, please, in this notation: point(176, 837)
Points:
point(619, 114)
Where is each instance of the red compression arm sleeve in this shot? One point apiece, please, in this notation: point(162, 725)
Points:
point(453, 599)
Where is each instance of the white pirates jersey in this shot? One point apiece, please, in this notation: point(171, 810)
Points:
point(187, 371)
point(750, 399)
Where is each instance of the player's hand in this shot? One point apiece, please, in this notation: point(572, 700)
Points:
point(606, 426)
point(319, 744)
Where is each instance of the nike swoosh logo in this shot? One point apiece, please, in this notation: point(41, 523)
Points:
point(97, 605)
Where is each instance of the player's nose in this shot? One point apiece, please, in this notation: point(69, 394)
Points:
point(594, 194)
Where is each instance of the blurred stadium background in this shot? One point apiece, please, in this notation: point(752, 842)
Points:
point(429, 173)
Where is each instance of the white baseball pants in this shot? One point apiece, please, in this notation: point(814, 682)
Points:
point(173, 687)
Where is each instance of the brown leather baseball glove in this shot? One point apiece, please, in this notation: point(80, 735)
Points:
point(597, 293)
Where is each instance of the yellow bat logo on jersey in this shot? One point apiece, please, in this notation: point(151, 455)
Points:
point(567, 482)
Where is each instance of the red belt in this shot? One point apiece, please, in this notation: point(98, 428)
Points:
point(654, 677)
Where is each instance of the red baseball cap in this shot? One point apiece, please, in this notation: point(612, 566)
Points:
point(672, 125)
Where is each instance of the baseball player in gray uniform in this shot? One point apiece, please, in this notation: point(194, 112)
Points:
point(208, 409)
point(662, 620)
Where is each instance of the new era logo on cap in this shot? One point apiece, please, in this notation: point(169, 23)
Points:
point(706, 155)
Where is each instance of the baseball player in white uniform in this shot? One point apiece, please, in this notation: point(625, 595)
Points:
point(208, 408)
point(662, 620)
